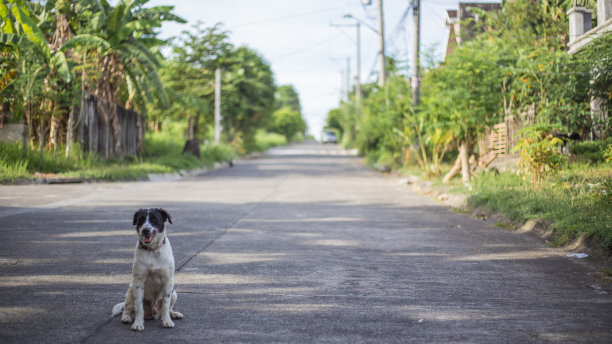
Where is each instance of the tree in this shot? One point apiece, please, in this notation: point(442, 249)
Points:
point(287, 96)
point(21, 34)
point(190, 74)
point(247, 96)
point(596, 63)
point(288, 122)
point(248, 88)
point(123, 39)
point(468, 91)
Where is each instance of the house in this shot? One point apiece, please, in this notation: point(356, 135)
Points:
point(580, 31)
point(581, 34)
point(461, 23)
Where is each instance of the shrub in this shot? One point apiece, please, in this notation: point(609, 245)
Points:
point(593, 151)
point(608, 153)
point(540, 154)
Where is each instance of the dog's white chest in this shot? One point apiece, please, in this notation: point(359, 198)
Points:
point(154, 264)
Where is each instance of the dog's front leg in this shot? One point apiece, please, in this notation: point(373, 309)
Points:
point(138, 305)
point(128, 307)
point(165, 312)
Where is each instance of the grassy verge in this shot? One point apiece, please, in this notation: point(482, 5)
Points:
point(577, 200)
point(265, 140)
point(162, 154)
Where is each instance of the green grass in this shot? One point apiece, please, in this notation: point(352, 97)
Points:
point(577, 200)
point(265, 140)
point(162, 154)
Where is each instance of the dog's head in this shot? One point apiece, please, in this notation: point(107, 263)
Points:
point(150, 224)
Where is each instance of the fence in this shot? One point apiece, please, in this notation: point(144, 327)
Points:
point(96, 134)
point(499, 140)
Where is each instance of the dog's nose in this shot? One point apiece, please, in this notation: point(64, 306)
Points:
point(146, 231)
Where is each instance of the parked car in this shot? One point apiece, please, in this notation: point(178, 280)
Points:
point(329, 136)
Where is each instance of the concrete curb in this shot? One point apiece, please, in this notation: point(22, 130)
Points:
point(152, 177)
point(167, 177)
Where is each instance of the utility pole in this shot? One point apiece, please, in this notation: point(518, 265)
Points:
point(348, 78)
point(217, 105)
point(381, 36)
point(416, 82)
point(358, 77)
point(358, 45)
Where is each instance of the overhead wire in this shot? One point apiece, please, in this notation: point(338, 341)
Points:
point(290, 16)
point(304, 49)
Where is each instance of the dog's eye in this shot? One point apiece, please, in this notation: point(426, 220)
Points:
point(140, 221)
point(154, 222)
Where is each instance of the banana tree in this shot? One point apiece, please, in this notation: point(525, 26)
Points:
point(20, 33)
point(122, 39)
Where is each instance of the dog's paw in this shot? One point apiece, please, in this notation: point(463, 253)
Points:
point(176, 315)
point(126, 319)
point(138, 326)
point(167, 323)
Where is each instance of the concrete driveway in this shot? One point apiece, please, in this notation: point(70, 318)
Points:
point(302, 245)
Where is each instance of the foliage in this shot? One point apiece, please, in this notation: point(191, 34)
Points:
point(517, 66)
point(189, 77)
point(335, 120)
point(247, 86)
point(163, 154)
point(52, 53)
point(265, 140)
point(382, 110)
point(287, 122)
point(577, 200)
point(427, 141)
point(592, 151)
point(468, 88)
point(45, 45)
point(287, 96)
point(248, 99)
point(121, 39)
point(596, 63)
point(539, 153)
point(608, 153)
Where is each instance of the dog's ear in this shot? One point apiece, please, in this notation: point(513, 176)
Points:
point(165, 215)
point(138, 214)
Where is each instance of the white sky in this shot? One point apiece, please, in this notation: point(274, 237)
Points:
point(304, 50)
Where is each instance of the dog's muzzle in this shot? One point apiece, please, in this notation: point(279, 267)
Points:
point(148, 235)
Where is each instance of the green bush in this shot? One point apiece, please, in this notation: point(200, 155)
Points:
point(593, 151)
point(608, 153)
point(15, 165)
point(218, 153)
point(163, 153)
point(540, 155)
point(265, 140)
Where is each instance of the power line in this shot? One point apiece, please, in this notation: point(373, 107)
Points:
point(290, 16)
point(304, 49)
point(372, 72)
point(344, 33)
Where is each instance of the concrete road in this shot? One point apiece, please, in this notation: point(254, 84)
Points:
point(302, 245)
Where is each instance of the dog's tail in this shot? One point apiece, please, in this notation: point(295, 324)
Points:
point(118, 309)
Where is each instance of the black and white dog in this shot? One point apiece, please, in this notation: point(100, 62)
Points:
point(151, 292)
point(565, 138)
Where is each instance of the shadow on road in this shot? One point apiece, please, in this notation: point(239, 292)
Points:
point(298, 271)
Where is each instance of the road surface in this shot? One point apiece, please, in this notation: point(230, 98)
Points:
point(302, 245)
